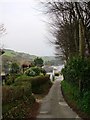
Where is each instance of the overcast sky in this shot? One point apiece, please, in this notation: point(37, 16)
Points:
point(26, 31)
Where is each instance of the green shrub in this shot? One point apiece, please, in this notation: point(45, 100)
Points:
point(17, 109)
point(9, 82)
point(43, 71)
point(71, 93)
point(84, 103)
point(35, 71)
point(14, 68)
point(11, 93)
point(10, 79)
point(22, 78)
point(38, 62)
point(38, 82)
point(17, 112)
point(77, 69)
point(17, 94)
point(22, 90)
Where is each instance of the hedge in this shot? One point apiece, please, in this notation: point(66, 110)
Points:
point(36, 82)
point(78, 69)
point(14, 93)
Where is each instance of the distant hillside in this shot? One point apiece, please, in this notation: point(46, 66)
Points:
point(12, 53)
point(19, 57)
point(9, 53)
point(52, 60)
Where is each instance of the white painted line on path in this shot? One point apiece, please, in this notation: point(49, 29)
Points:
point(43, 112)
point(63, 104)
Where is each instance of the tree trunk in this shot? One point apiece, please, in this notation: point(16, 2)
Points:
point(81, 39)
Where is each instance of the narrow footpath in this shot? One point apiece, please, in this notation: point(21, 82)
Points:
point(54, 105)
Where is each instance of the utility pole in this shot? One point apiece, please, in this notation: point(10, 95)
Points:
point(81, 39)
point(81, 47)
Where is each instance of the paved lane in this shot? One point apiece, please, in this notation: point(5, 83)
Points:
point(54, 106)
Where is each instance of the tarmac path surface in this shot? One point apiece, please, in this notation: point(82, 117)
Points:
point(54, 105)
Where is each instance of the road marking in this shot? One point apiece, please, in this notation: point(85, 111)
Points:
point(63, 104)
point(77, 116)
point(43, 112)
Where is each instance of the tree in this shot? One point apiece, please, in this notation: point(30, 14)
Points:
point(70, 26)
point(14, 68)
point(38, 62)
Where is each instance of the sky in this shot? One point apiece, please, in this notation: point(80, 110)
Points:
point(25, 29)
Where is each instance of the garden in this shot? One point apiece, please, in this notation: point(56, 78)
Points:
point(20, 89)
